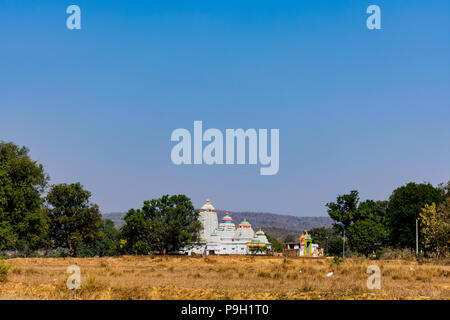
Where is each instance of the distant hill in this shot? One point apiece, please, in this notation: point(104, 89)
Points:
point(274, 220)
point(278, 224)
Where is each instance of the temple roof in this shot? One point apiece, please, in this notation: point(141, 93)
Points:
point(207, 207)
point(245, 224)
point(226, 218)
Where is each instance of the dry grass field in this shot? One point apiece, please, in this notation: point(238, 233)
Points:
point(222, 277)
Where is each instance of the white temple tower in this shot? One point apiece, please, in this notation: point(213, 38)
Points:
point(208, 217)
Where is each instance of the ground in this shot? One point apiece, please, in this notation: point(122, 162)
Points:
point(223, 277)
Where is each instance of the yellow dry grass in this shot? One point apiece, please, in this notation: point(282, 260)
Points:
point(222, 277)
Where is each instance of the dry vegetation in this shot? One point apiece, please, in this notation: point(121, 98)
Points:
point(222, 277)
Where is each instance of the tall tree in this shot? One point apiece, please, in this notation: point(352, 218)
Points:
point(23, 225)
point(74, 219)
point(364, 222)
point(164, 225)
point(405, 205)
point(372, 210)
point(344, 210)
point(435, 227)
point(369, 227)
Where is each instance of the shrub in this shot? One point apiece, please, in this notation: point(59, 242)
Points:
point(4, 269)
point(336, 262)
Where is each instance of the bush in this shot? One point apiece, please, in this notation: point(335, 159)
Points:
point(337, 260)
point(4, 269)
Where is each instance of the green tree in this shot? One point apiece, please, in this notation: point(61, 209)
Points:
point(343, 210)
point(23, 225)
point(7, 235)
point(365, 234)
point(369, 227)
point(405, 205)
point(372, 210)
point(162, 225)
point(74, 220)
point(102, 247)
point(435, 228)
point(365, 222)
point(327, 237)
point(277, 246)
point(111, 236)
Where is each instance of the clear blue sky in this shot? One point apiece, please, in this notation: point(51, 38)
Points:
point(356, 108)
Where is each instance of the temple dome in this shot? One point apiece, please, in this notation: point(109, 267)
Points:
point(226, 223)
point(261, 236)
point(244, 224)
point(207, 207)
point(226, 218)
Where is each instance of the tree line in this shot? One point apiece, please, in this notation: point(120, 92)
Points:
point(373, 226)
point(416, 216)
point(61, 219)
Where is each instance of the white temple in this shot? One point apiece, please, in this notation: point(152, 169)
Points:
point(224, 238)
